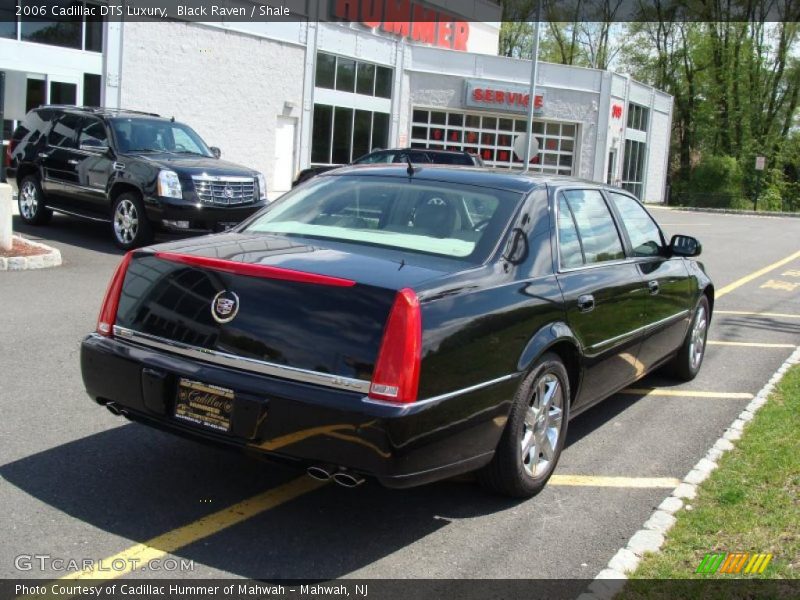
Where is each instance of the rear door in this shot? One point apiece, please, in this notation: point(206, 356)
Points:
point(604, 293)
point(59, 161)
point(94, 165)
point(668, 283)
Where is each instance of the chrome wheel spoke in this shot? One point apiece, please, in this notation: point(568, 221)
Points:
point(542, 425)
point(546, 445)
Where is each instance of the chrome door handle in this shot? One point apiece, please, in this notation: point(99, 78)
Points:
point(586, 303)
point(653, 287)
point(44, 155)
point(72, 161)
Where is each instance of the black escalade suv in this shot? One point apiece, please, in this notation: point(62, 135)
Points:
point(138, 171)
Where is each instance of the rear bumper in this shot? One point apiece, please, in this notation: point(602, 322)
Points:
point(302, 423)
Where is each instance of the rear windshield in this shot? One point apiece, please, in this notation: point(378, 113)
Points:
point(429, 217)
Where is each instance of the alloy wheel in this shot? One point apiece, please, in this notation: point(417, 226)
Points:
point(542, 427)
point(126, 221)
point(28, 200)
point(698, 340)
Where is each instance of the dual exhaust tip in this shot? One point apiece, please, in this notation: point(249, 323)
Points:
point(339, 475)
point(116, 410)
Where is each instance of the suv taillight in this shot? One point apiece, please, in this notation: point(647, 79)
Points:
point(396, 376)
point(10, 150)
point(108, 311)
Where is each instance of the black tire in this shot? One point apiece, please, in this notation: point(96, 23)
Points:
point(129, 225)
point(510, 472)
point(30, 200)
point(686, 364)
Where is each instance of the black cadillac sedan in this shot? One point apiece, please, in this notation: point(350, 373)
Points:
point(403, 323)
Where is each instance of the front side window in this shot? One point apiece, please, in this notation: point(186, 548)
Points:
point(597, 232)
point(154, 135)
point(643, 232)
point(93, 134)
point(426, 217)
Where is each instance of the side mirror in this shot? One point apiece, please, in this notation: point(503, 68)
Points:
point(685, 245)
point(94, 148)
point(216, 151)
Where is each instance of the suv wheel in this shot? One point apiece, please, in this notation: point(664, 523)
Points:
point(129, 222)
point(534, 435)
point(31, 202)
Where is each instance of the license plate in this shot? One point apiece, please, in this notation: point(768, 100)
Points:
point(205, 405)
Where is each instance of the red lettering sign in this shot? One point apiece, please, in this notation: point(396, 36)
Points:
point(407, 19)
point(497, 96)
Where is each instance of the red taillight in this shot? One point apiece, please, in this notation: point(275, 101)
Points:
point(108, 311)
point(10, 150)
point(396, 375)
point(254, 269)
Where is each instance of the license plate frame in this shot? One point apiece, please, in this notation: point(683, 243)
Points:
point(204, 405)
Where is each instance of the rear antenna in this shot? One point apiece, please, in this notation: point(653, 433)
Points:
point(410, 169)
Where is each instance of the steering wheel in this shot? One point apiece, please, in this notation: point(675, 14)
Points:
point(181, 148)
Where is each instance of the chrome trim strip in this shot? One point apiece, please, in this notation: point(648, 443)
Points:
point(242, 363)
point(641, 329)
point(441, 397)
point(223, 179)
point(77, 214)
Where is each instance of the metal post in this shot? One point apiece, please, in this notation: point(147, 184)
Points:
point(758, 190)
point(532, 89)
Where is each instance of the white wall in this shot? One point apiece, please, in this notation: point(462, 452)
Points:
point(230, 87)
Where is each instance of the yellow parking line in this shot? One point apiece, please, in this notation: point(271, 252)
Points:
point(618, 482)
point(157, 547)
point(748, 313)
point(684, 393)
point(750, 344)
point(755, 274)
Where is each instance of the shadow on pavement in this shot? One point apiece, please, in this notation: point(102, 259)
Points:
point(137, 483)
point(72, 231)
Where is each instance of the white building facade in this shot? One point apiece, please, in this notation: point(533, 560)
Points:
point(278, 97)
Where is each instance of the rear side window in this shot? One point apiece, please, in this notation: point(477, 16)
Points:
point(643, 232)
point(64, 132)
point(569, 246)
point(597, 233)
point(36, 123)
point(450, 159)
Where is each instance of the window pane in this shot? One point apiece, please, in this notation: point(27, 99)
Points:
point(94, 31)
point(420, 116)
point(34, 94)
point(64, 32)
point(569, 247)
point(8, 19)
point(489, 123)
point(455, 119)
point(345, 75)
point(326, 70)
point(438, 117)
point(642, 231)
point(366, 79)
point(93, 133)
point(342, 134)
point(383, 82)
point(361, 133)
point(321, 136)
point(63, 93)
point(91, 89)
point(596, 227)
point(380, 130)
point(64, 132)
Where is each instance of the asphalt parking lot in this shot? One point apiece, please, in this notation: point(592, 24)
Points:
point(79, 483)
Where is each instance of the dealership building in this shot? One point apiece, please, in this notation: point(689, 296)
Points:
point(280, 96)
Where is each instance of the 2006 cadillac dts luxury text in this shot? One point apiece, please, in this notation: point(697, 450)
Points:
point(404, 323)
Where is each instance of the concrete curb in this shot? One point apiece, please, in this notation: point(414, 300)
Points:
point(731, 211)
point(650, 538)
point(52, 258)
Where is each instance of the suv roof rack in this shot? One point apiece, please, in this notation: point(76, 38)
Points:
point(99, 109)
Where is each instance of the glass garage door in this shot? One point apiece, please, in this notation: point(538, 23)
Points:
point(492, 138)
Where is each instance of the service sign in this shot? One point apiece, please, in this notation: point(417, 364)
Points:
point(500, 97)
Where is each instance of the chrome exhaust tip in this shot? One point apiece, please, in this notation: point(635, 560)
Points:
point(320, 472)
point(347, 479)
point(114, 409)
